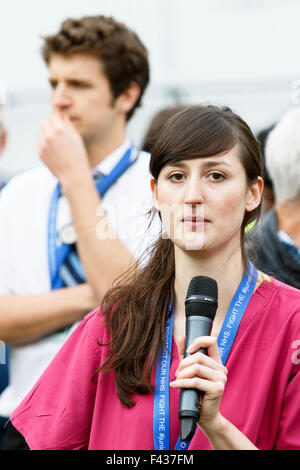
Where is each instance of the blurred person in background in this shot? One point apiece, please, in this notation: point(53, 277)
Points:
point(268, 199)
point(61, 246)
point(277, 238)
point(156, 124)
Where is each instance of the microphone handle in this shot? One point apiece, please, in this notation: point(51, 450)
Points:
point(189, 411)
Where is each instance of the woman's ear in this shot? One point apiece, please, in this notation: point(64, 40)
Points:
point(154, 192)
point(255, 194)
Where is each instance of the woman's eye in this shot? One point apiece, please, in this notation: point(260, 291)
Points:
point(176, 177)
point(216, 176)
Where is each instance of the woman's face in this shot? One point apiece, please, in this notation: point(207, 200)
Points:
point(202, 201)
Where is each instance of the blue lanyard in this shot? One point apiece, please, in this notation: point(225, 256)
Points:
point(58, 251)
point(161, 434)
point(236, 311)
point(237, 308)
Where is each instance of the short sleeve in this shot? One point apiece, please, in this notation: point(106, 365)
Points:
point(57, 412)
point(288, 437)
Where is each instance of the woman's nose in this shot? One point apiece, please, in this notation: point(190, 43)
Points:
point(194, 191)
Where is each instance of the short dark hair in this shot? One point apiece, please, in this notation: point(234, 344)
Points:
point(120, 51)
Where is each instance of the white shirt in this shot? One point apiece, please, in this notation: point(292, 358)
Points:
point(24, 270)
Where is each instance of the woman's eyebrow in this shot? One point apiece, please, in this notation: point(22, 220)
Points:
point(210, 163)
point(177, 165)
point(205, 164)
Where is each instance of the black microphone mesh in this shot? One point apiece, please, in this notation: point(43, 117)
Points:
point(203, 285)
point(207, 288)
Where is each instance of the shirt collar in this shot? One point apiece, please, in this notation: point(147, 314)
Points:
point(106, 166)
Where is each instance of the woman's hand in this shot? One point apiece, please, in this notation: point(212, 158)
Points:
point(204, 373)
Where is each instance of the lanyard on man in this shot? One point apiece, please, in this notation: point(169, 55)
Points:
point(57, 249)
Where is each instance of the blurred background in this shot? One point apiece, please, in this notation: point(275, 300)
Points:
point(241, 53)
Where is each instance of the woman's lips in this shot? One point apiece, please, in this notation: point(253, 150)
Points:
point(193, 218)
point(194, 221)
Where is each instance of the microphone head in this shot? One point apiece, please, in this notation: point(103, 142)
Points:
point(202, 297)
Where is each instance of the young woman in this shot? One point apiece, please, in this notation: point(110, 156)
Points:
point(104, 389)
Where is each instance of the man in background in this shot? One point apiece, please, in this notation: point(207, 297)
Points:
point(69, 228)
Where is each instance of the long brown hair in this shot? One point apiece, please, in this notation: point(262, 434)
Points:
point(136, 310)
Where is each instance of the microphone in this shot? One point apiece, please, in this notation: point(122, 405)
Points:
point(201, 304)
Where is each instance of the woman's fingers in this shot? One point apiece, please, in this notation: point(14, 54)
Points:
point(204, 373)
point(200, 358)
point(211, 388)
point(208, 342)
point(209, 381)
point(198, 370)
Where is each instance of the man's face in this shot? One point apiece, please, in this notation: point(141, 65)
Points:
point(81, 91)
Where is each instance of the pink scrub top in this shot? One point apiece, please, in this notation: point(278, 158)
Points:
point(68, 409)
